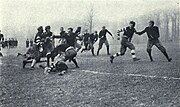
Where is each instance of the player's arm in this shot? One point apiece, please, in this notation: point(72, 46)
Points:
point(110, 34)
point(121, 30)
point(57, 36)
point(100, 34)
point(157, 30)
point(142, 32)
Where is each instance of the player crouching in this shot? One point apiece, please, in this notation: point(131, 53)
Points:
point(59, 67)
point(66, 51)
point(33, 55)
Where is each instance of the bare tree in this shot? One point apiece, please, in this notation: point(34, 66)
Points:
point(90, 20)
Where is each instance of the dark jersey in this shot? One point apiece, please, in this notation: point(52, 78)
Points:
point(27, 43)
point(61, 48)
point(31, 42)
point(129, 32)
point(1, 37)
point(86, 37)
point(63, 33)
point(152, 32)
point(102, 34)
point(47, 34)
point(93, 37)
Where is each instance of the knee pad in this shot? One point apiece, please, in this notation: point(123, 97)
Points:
point(133, 52)
point(48, 55)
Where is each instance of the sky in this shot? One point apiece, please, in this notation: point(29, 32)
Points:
point(21, 13)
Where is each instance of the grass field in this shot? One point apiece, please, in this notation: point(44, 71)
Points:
point(97, 83)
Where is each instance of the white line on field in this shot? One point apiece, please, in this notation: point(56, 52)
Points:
point(103, 73)
point(151, 76)
point(93, 72)
point(8, 64)
point(132, 75)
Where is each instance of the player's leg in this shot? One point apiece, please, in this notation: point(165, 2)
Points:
point(70, 55)
point(121, 53)
point(75, 62)
point(133, 52)
point(149, 48)
point(162, 49)
point(26, 62)
point(36, 58)
point(91, 47)
point(85, 46)
point(107, 46)
point(101, 42)
point(78, 46)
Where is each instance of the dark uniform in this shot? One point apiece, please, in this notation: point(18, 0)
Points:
point(31, 42)
point(16, 42)
point(126, 39)
point(27, 43)
point(39, 35)
point(103, 40)
point(1, 42)
point(32, 53)
point(48, 46)
point(86, 39)
point(62, 39)
point(70, 38)
point(6, 43)
point(63, 34)
point(126, 42)
point(1, 37)
point(153, 39)
point(93, 38)
point(70, 53)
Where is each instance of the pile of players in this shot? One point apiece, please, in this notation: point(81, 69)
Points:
point(68, 45)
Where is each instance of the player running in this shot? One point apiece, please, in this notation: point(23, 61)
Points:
point(92, 41)
point(89, 40)
point(153, 39)
point(86, 38)
point(126, 42)
point(103, 39)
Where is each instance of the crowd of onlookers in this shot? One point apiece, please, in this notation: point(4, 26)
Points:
point(10, 43)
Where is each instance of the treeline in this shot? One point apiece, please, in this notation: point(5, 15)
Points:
point(168, 22)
